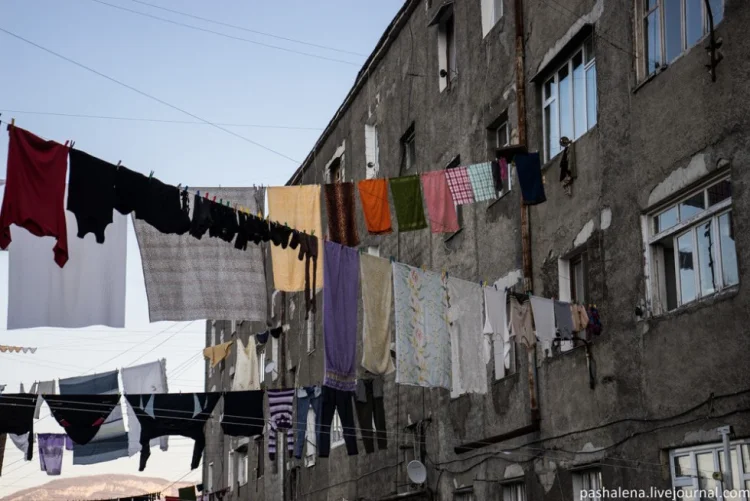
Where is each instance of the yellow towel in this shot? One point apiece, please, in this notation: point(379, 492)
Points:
point(299, 207)
point(217, 353)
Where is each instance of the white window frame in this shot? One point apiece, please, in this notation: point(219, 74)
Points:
point(586, 480)
point(310, 330)
point(741, 478)
point(514, 491)
point(655, 261)
point(643, 12)
point(230, 470)
point(276, 358)
point(337, 431)
point(311, 439)
point(553, 149)
point(243, 465)
point(262, 366)
point(410, 149)
point(497, 143)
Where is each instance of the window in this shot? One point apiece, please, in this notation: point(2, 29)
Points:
point(578, 282)
point(337, 431)
point(373, 250)
point(260, 457)
point(464, 494)
point(587, 480)
point(233, 327)
point(372, 152)
point(456, 162)
point(311, 435)
point(409, 149)
point(210, 479)
point(242, 467)
point(492, 11)
point(334, 170)
point(230, 470)
point(515, 491)
point(693, 468)
point(262, 366)
point(569, 100)
point(447, 49)
point(498, 136)
point(692, 247)
point(670, 27)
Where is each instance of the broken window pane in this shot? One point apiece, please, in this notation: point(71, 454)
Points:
point(686, 263)
point(673, 28)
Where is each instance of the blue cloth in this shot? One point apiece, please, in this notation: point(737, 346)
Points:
point(529, 170)
point(306, 397)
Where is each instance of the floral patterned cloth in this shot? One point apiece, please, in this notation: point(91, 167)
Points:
point(423, 342)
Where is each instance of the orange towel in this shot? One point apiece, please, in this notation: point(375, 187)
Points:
point(374, 196)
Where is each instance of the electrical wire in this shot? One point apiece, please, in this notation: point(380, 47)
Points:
point(225, 35)
point(145, 94)
point(157, 120)
point(249, 30)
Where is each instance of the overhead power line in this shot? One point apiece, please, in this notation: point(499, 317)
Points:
point(225, 35)
point(158, 120)
point(220, 23)
point(145, 94)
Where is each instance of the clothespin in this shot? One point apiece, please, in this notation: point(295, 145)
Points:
point(187, 187)
point(198, 193)
point(495, 286)
point(150, 175)
point(221, 201)
point(72, 143)
point(206, 195)
point(312, 233)
point(179, 185)
point(119, 163)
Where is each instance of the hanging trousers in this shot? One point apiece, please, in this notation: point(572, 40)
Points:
point(307, 397)
point(337, 401)
point(369, 404)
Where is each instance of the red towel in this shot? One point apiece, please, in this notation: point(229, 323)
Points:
point(440, 208)
point(35, 190)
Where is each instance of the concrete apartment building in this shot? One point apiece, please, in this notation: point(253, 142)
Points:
point(650, 230)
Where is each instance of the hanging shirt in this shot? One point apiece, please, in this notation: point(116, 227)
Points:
point(496, 323)
point(91, 194)
point(35, 190)
point(544, 319)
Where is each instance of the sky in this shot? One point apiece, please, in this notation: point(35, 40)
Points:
point(256, 83)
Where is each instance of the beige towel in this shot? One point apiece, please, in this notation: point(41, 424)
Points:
point(217, 353)
point(377, 299)
point(299, 207)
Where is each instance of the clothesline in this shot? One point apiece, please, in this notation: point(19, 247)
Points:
point(16, 349)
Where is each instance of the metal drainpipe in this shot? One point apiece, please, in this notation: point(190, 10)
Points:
point(281, 450)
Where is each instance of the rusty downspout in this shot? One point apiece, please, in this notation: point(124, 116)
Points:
point(528, 282)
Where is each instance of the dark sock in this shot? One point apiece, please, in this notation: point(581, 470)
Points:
point(294, 242)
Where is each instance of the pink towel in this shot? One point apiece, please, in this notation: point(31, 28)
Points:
point(440, 208)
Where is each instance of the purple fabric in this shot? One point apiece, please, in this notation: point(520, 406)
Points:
point(68, 443)
point(51, 446)
point(340, 294)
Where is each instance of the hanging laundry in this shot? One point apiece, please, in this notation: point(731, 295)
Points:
point(377, 300)
point(544, 320)
point(145, 378)
point(564, 319)
point(308, 397)
point(16, 349)
point(308, 250)
point(202, 220)
point(160, 207)
point(407, 199)
point(246, 369)
point(3, 441)
point(580, 318)
point(465, 325)
point(243, 232)
point(280, 408)
point(529, 170)
point(68, 443)
point(594, 327)
point(224, 223)
point(276, 332)
point(51, 446)
point(370, 409)
point(440, 207)
point(279, 234)
point(262, 337)
point(186, 493)
point(35, 190)
point(218, 352)
point(497, 176)
point(299, 207)
point(42, 388)
point(337, 401)
point(373, 194)
point(17, 417)
point(82, 415)
point(22, 441)
point(521, 322)
point(91, 193)
point(342, 221)
point(341, 270)
point(130, 189)
point(191, 280)
point(460, 185)
point(243, 413)
point(482, 182)
point(111, 442)
point(90, 290)
point(183, 414)
point(496, 323)
point(423, 342)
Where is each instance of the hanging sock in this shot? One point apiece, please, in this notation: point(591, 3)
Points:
point(218, 352)
point(35, 190)
point(202, 219)
point(161, 207)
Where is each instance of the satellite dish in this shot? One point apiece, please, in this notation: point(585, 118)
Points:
point(270, 367)
point(416, 471)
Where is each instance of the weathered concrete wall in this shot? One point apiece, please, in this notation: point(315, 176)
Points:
point(646, 370)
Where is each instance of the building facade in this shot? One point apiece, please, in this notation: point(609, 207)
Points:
point(650, 229)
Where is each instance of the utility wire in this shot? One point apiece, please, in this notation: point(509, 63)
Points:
point(206, 30)
point(157, 120)
point(249, 30)
point(161, 101)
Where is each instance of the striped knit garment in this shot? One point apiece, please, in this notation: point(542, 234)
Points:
point(280, 408)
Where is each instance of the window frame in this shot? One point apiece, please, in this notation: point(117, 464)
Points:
point(553, 100)
point(643, 12)
point(230, 469)
point(243, 464)
point(372, 151)
point(310, 332)
point(740, 477)
point(447, 50)
point(580, 259)
point(210, 482)
point(656, 238)
point(582, 477)
point(511, 491)
point(260, 466)
point(311, 438)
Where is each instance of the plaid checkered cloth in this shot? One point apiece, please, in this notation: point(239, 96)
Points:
point(482, 181)
point(460, 185)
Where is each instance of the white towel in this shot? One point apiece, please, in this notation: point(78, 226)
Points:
point(465, 324)
point(496, 323)
point(544, 320)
